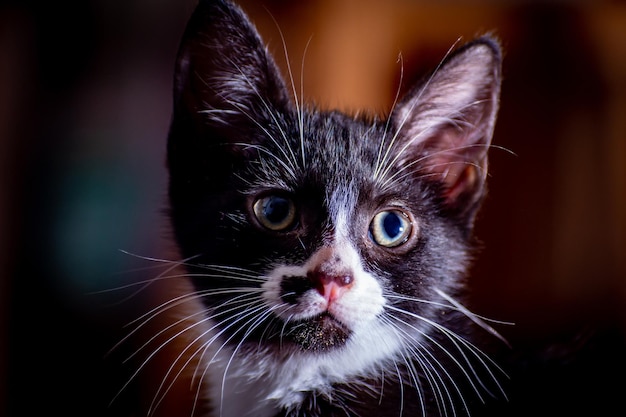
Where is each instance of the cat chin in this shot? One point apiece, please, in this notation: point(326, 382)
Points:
point(320, 334)
point(280, 379)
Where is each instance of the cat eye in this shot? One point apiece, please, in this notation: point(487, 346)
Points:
point(391, 228)
point(275, 212)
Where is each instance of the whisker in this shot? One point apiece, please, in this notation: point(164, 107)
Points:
point(405, 118)
point(297, 102)
point(153, 259)
point(396, 177)
point(379, 163)
point(162, 391)
point(237, 320)
point(274, 118)
point(427, 130)
point(145, 283)
point(281, 308)
point(244, 109)
point(229, 277)
point(455, 339)
point(474, 317)
point(245, 292)
point(170, 339)
point(255, 322)
point(146, 361)
point(448, 306)
point(266, 151)
point(147, 317)
point(306, 48)
point(419, 352)
point(428, 366)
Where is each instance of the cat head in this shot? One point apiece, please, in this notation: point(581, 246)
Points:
point(314, 230)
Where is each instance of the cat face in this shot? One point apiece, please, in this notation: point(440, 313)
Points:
point(314, 233)
point(329, 241)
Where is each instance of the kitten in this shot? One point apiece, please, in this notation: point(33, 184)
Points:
point(326, 252)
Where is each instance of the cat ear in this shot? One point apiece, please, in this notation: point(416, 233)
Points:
point(226, 84)
point(445, 125)
point(223, 71)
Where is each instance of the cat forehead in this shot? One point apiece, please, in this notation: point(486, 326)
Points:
point(318, 145)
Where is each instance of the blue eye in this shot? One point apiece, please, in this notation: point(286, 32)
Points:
point(275, 212)
point(390, 228)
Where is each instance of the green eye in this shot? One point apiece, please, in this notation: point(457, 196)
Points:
point(390, 228)
point(275, 212)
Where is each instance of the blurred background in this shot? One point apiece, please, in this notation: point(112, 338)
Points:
point(85, 100)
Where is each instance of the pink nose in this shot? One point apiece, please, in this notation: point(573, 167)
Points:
point(330, 286)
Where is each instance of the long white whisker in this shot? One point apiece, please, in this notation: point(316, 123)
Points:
point(146, 283)
point(147, 360)
point(439, 365)
point(252, 325)
point(167, 341)
point(475, 318)
point(449, 306)
point(162, 391)
point(240, 317)
point(432, 376)
point(404, 171)
point(230, 277)
point(266, 151)
point(290, 158)
point(407, 145)
point(242, 109)
point(145, 318)
point(245, 292)
point(385, 163)
point(455, 339)
point(297, 102)
point(379, 163)
point(301, 112)
point(274, 118)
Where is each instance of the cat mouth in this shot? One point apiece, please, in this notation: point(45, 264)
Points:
point(319, 334)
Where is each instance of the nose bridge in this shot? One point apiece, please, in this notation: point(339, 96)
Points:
point(341, 205)
point(335, 254)
point(328, 260)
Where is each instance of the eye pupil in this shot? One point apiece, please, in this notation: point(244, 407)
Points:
point(275, 212)
point(392, 225)
point(275, 209)
point(390, 228)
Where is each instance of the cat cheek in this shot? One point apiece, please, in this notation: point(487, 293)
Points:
point(362, 303)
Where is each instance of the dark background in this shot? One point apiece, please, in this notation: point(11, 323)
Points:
point(85, 91)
